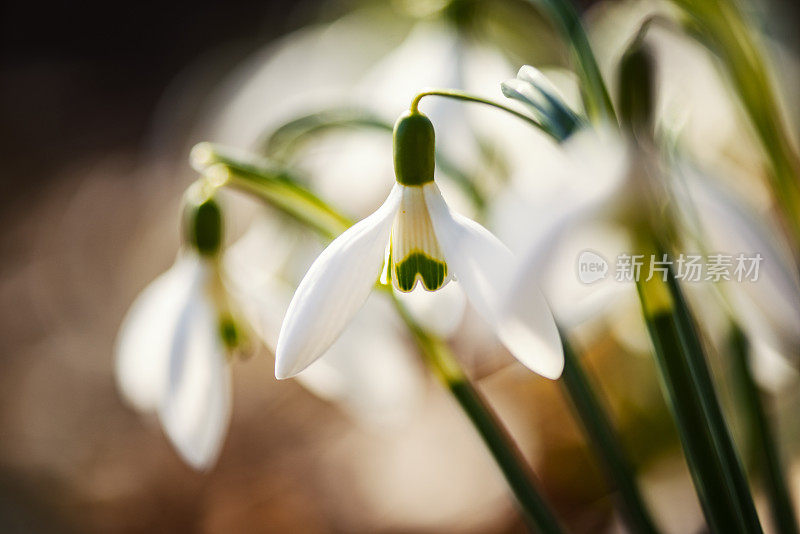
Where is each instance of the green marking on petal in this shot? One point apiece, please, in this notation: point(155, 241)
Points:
point(229, 332)
point(432, 272)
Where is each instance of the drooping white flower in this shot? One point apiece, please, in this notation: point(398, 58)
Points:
point(171, 356)
point(329, 66)
point(427, 245)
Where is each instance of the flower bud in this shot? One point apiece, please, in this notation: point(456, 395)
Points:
point(204, 226)
point(533, 89)
point(414, 149)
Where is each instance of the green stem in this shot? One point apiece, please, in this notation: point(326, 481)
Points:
point(605, 441)
point(460, 95)
point(762, 442)
point(595, 95)
point(715, 467)
point(282, 140)
point(271, 183)
point(509, 459)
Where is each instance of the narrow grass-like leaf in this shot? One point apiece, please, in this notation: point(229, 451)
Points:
point(605, 441)
point(595, 95)
point(701, 375)
point(761, 438)
point(716, 470)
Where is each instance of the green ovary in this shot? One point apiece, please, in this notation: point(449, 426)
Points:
point(432, 272)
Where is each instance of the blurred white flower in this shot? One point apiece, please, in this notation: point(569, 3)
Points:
point(767, 308)
point(591, 187)
point(429, 244)
point(171, 358)
point(377, 66)
point(565, 203)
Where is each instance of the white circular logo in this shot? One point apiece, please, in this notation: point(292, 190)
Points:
point(591, 267)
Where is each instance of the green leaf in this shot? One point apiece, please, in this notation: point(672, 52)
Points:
point(605, 441)
point(717, 472)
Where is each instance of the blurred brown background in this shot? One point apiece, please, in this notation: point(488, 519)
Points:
point(96, 99)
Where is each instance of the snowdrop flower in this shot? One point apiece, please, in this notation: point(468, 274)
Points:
point(421, 243)
point(347, 168)
point(173, 345)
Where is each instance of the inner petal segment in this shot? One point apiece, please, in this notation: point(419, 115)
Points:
point(415, 252)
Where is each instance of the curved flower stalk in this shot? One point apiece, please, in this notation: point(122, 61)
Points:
point(174, 343)
point(421, 242)
point(434, 54)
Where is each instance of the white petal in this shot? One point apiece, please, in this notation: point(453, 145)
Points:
point(334, 289)
point(484, 267)
point(196, 409)
point(142, 347)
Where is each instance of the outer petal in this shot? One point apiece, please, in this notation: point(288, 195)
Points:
point(334, 289)
point(196, 408)
point(142, 349)
point(484, 267)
